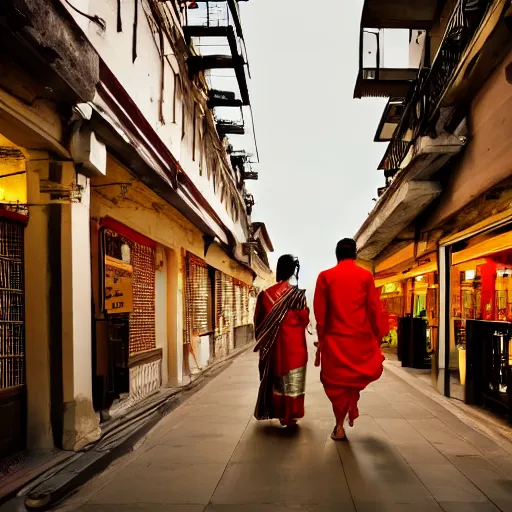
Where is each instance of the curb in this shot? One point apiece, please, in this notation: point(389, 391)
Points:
point(49, 489)
point(471, 416)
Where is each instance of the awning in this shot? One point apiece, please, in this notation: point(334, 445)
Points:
point(488, 247)
point(420, 270)
point(402, 257)
point(396, 209)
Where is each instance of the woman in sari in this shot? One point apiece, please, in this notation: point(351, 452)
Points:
point(280, 320)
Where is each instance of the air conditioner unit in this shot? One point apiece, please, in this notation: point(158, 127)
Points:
point(87, 151)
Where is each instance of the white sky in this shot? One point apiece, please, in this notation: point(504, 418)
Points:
point(318, 170)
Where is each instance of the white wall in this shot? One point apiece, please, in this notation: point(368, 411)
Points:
point(142, 81)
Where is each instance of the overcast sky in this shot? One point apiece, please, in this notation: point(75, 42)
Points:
point(318, 170)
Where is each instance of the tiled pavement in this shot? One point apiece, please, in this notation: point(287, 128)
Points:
point(406, 453)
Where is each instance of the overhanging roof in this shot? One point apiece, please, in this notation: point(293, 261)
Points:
point(260, 230)
point(400, 13)
point(395, 211)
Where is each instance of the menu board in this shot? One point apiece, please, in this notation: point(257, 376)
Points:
point(118, 286)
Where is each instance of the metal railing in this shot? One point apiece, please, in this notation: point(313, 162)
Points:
point(424, 97)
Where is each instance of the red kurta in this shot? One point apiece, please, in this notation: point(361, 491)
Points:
point(350, 323)
point(289, 353)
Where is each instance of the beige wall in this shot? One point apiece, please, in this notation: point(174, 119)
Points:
point(145, 212)
point(487, 160)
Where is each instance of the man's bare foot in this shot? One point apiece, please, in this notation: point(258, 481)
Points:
point(338, 434)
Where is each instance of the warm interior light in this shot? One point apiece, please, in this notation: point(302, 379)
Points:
point(2, 194)
point(470, 275)
point(419, 278)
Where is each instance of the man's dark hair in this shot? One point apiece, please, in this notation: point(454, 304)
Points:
point(346, 249)
point(286, 267)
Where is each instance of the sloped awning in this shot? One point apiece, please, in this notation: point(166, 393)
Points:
point(426, 268)
point(395, 211)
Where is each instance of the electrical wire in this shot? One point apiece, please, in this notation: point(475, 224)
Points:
point(254, 136)
point(94, 18)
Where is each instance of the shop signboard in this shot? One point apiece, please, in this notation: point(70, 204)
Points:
point(118, 286)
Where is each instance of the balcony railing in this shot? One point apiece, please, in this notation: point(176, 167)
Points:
point(424, 97)
point(215, 29)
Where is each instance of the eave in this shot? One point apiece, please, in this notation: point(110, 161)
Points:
point(395, 211)
point(420, 14)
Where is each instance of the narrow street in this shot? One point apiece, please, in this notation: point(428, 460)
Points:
point(406, 453)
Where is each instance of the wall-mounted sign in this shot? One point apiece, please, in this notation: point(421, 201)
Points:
point(390, 288)
point(118, 286)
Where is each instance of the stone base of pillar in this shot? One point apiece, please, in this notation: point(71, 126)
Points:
point(81, 424)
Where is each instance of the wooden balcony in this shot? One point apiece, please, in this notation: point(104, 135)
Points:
point(384, 83)
point(400, 13)
point(227, 27)
point(230, 128)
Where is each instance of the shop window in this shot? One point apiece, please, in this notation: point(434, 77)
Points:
point(130, 287)
point(224, 302)
point(241, 291)
point(198, 297)
point(12, 327)
point(142, 320)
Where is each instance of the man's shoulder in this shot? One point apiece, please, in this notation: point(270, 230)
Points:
point(364, 271)
point(326, 273)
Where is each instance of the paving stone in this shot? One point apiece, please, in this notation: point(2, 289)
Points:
point(174, 484)
point(448, 484)
point(468, 507)
point(278, 482)
point(142, 507)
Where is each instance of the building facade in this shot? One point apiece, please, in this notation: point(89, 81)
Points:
point(129, 261)
point(440, 235)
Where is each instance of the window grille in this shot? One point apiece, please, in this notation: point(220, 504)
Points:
point(12, 308)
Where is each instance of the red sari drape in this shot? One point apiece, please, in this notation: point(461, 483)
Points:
point(287, 360)
point(350, 324)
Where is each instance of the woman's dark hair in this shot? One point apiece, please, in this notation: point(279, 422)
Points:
point(287, 265)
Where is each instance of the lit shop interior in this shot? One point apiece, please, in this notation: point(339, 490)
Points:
point(480, 355)
point(413, 316)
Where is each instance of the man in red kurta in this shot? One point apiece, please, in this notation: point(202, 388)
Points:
point(350, 324)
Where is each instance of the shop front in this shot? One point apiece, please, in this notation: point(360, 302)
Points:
point(128, 362)
point(217, 314)
point(13, 219)
point(411, 303)
point(479, 317)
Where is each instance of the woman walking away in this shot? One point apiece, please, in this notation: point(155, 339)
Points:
point(280, 320)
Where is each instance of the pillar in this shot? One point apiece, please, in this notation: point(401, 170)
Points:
point(37, 309)
point(80, 422)
point(174, 318)
point(161, 299)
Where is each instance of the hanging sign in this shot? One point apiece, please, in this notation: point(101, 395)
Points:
point(118, 286)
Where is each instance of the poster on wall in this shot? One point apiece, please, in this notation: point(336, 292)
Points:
point(118, 286)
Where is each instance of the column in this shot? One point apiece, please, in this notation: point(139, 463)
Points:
point(80, 422)
point(38, 280)
point(174, 317)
